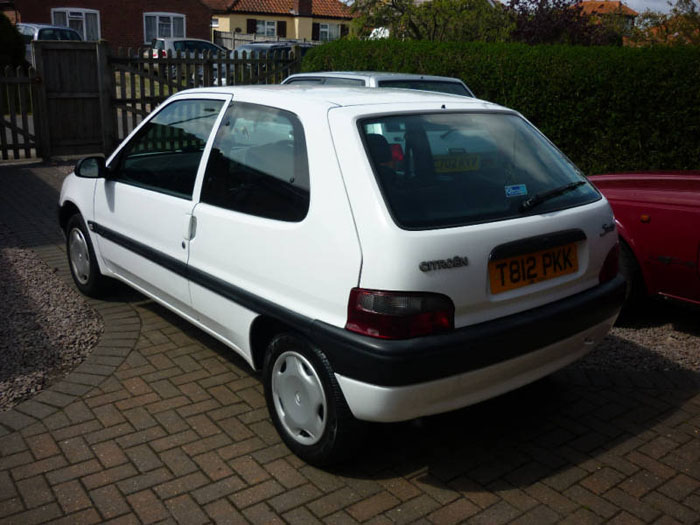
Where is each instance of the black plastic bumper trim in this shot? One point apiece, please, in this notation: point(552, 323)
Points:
point(395, 363)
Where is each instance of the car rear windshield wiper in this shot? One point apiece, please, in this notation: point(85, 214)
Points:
point(539, 198)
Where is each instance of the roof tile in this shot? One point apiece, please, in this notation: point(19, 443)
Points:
point(319, 8)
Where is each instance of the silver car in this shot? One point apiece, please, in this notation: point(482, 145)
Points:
point(32, 32)
point(449, 85)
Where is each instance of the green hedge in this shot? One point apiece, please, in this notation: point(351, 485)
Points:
point(608, 108)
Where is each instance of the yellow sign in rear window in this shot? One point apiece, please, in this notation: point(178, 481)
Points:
point(456, 163)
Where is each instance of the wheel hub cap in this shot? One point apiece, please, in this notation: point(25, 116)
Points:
point(299, 399)
point(79, 255)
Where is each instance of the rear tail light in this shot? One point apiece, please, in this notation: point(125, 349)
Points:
point(611, 265)
point(398, 315)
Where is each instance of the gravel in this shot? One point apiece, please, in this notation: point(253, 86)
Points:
point(659, 335)
point(46, 327)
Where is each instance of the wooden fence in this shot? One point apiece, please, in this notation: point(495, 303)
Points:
point(17, 93)
point(142, 81)
point(83, 99)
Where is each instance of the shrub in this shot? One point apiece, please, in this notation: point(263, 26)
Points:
point(608, 108)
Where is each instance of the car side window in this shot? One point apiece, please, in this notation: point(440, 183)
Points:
point(165, 154)
point(330, 81)
point(258, 164)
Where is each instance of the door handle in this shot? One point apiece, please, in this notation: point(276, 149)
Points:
point(190, 229)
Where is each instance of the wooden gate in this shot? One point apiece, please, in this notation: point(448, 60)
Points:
point(74, 98)
point(17, 116)
point(142, 81)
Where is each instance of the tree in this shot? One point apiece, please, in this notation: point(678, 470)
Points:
point(681, 26)
point(559, 22)
point(438, 20)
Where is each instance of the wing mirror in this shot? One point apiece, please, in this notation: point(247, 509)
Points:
point(91, 168)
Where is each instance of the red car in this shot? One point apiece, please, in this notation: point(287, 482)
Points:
point(658, 220)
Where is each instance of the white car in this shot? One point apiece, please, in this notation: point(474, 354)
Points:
point(374, 79)
point(379, 254)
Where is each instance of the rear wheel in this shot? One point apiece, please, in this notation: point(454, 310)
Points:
point(81, 259)
point(629, 268)
point(305, 402)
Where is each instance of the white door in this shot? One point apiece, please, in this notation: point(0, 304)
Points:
point(143, 209)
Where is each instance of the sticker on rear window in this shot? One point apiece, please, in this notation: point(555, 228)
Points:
point(516, 190)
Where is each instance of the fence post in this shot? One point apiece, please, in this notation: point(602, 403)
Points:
point(105, 78)
point(40, 104)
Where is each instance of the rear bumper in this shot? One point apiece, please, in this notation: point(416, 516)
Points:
point(370, 402)
point(386, 363)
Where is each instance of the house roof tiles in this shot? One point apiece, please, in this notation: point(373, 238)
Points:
point(319, 8)
point(606, 7)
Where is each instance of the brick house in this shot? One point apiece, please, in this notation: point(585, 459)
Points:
point(131, 23)
point(599, 9)
point(293, 19)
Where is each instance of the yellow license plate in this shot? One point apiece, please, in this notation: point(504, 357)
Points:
point(455, 163)
point(522, 270)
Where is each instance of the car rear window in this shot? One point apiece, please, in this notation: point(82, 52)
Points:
point(452, 169)
point(438, 86)
point(58, 34)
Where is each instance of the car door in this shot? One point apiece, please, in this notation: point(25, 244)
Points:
point(143, 208)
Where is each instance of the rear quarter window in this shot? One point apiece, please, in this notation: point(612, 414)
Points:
point(258, 164)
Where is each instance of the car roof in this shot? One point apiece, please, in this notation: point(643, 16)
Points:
point(379, 75)
point(274, 44)
point(45, 26)
point(183, 39)
point(286, 95)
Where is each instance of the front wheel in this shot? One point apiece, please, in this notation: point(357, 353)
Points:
point(305, 402)
point(81, 259)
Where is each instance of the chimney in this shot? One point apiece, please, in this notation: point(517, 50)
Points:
point(302, 7)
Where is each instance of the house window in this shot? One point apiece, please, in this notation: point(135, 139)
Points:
point(84, 21)
point(329, 32)
point(215, 22)
point(266, 27)
point(163, 25)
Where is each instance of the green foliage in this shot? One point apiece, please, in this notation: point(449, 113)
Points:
point(439, 20)
point(608, 108)
point(679, 27)
point(11, 44)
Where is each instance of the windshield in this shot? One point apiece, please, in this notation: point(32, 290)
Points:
point(453, 169)
point(438, 86)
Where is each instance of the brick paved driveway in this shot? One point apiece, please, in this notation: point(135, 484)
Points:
point(162, 423)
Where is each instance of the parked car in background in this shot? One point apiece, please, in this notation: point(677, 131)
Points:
point(658, 219)
point(380, 254)
point(257, 49)
point(189, 46)
point(31, 32)
point(453, 86)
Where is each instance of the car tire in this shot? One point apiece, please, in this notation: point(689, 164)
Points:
point(629, 268)
point(82, 261)
point(306, 404)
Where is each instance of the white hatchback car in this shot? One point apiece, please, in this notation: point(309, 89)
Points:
point(379, 254)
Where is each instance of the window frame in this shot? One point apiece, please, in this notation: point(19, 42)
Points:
point(115, 160)
point(158, 15)
point(266, 24)
point(83, 11)
point(326, 26)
